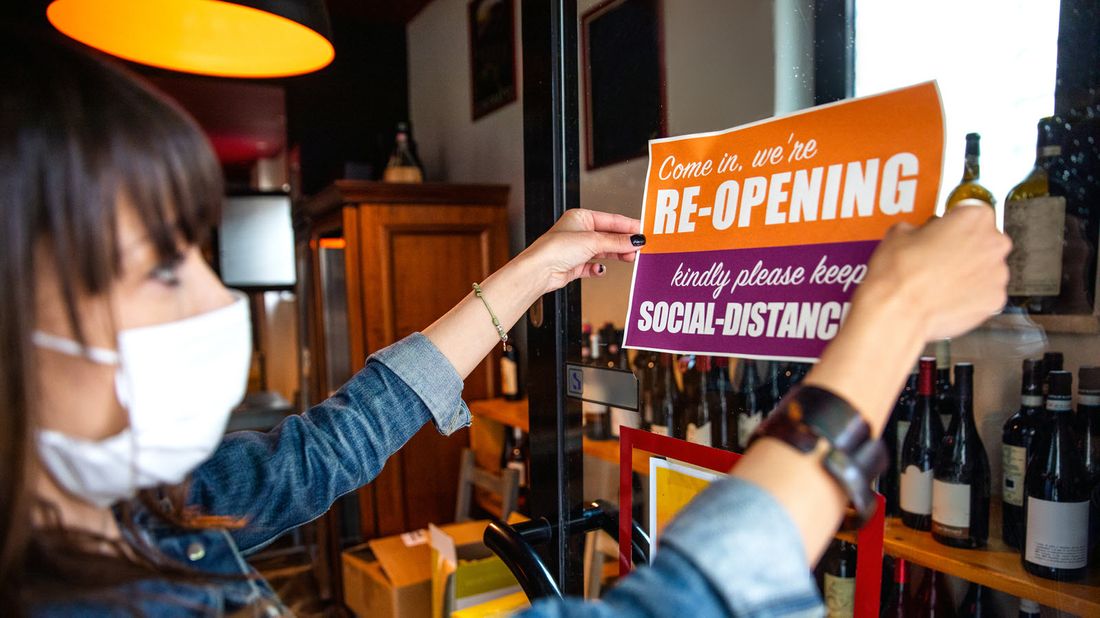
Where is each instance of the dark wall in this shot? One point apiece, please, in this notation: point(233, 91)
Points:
point(348, 111)
point(344, 113)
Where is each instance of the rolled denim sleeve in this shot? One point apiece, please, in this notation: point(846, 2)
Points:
point(424, 369)
point(280, 479)
point(733, 551)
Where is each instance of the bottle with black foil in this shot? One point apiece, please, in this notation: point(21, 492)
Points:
point(517, 457)
point(946, 406)
point(700, 422)
point(918, 454)
point(667, 401)
point(645, 369)
point(1088, 436)
point(1057, 493)
point(749, 411)
point(960, 485)
point(723, 422)
point(894, 435)
point(977, 603)
point(1016, 442)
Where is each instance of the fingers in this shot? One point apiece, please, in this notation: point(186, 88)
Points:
point(618, 224)
point(607, 243)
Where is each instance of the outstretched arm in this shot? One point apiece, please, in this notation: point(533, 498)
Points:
point(465, 334)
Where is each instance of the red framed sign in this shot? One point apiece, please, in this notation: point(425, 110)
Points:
point(869, 539)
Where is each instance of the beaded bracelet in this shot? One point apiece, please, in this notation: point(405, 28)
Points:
point(496, 321)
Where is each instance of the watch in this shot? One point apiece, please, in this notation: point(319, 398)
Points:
point(812, 419)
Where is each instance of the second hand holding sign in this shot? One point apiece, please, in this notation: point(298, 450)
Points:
point(758, 236)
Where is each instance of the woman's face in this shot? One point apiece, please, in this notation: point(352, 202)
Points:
point(78, 395)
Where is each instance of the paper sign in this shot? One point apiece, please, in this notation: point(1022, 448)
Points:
point(758, 236)
point(671, 486)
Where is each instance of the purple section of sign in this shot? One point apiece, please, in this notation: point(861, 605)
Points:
point(752, 302)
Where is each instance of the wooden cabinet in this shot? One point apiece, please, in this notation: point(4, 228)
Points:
point(410, 252)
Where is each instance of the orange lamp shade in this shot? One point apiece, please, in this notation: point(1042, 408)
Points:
point(276, 38)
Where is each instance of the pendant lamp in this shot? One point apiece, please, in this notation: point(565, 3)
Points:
point(239, 38)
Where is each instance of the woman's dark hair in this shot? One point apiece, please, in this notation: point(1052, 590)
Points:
point(77, 135)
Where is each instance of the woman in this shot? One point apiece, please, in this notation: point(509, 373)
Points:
point(123, 354)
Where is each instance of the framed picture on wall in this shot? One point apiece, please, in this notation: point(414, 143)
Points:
point(623, 80)
point(492, 55)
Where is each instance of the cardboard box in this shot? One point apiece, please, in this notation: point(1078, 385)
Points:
point(464, 572)
point(389, 577)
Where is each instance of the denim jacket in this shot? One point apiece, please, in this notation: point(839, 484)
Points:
point(733, 551)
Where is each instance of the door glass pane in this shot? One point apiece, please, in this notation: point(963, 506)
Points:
point(1022, 76)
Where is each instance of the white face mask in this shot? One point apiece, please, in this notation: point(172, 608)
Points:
point(178, 381)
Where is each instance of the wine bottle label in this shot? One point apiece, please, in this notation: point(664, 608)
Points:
point(699, 435)
point(661, 430)
point(916, 491)
point(520, 467)
point(1088, 398)
point(509, 383)
point(903, 428)
point(1057, 533)
point(1036, 228)
point(746, 425)
point(840, 596)
point(1031, 401)
point(621, 417)
point(1059, 404)
point(946, 420)
point(1014, 461)
point(951, 509)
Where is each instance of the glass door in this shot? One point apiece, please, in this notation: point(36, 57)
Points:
point(1020, 85)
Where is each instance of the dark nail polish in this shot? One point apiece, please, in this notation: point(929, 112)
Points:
point(601, 269)
point(637, 240)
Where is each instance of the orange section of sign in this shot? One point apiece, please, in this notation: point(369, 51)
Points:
point(841, 172)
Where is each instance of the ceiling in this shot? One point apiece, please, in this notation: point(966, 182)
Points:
point(376, 11)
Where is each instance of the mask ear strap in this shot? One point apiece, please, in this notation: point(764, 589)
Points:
point(60, 344)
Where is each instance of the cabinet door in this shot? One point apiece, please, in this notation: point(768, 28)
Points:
point(417, 262)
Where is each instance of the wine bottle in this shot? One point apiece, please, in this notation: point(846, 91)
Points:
point(977, 603)
point(518, 456)
point(1057, 493)
point(509, 373)
point(1052, 361)
point(1029, 609)
point(1035, 215)
point(969, 187)
point(839, 579)
point(896, 600)
point(932, 599)
point(1016, 443)
point(595, 346)
point(1088, 436)
point(586, 343)
point(403, 165)
point(1088, 420)
point(610, 356)
point(1080, 176)
point(918, 454)
point(698, 408)
point(645, 368)
point(894, 435)
point(749, 411)
point(960, 485)
point(945, 394)
point(773, 387)
point(667, 398)
point(723, 422)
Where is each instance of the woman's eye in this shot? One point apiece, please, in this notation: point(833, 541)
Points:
point(167, 272)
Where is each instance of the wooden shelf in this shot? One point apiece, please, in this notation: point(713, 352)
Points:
point(514, 413)
point(996, 566)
